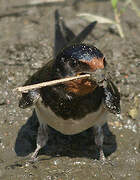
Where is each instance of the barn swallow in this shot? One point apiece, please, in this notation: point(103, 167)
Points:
point(73, 106)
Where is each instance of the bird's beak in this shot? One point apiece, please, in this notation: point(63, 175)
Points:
point(98, 76)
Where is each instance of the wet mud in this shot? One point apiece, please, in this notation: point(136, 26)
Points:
point(26, 44)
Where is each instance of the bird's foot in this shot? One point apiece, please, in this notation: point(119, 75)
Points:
point(34, 157)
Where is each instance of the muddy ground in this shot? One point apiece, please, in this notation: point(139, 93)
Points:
point(26, 43)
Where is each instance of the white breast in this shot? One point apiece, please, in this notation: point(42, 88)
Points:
point(47, 116)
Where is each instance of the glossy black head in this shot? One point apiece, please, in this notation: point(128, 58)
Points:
point(78, 58)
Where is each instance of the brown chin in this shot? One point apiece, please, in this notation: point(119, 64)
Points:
point(80, 87)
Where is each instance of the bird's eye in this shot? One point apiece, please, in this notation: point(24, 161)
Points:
point(62, 59)
point(74, 63)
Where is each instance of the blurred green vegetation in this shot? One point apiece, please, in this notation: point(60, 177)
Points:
point(118, 9)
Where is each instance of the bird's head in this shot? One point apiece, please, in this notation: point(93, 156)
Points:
point(79, 59)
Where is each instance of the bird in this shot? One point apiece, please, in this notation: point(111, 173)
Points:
point(73, 106)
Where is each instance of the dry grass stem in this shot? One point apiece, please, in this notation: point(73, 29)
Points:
point(33, 2)
point(118, 24)
point(49, 83)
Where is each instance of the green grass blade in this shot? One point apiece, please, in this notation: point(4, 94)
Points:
point(114, 3)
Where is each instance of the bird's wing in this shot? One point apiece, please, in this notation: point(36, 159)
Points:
point(112, 98)
point(30, 98)
point(84, 33)
point(64, 35)
point(60, 40)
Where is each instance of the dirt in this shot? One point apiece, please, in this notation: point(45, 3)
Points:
point(26, 43)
